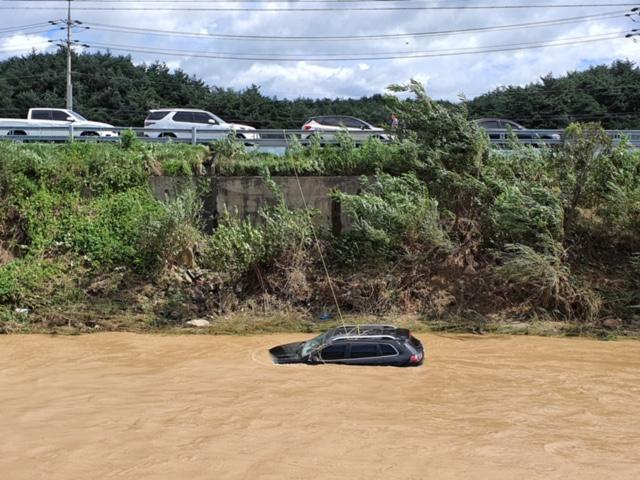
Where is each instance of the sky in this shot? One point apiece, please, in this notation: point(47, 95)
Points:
point(446, 76)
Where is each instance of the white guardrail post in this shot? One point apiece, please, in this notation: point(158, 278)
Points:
point(194, 135)
point(71, 133)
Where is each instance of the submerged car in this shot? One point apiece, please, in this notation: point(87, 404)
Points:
point(355, 345)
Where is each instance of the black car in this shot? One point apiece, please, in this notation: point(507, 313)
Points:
point(355, 345)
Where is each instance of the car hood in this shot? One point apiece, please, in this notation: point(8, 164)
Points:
point(288, 353)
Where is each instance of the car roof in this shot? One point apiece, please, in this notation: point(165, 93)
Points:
point(336, 116)
point(492, 119)
point(178, 110)
point(368, 332)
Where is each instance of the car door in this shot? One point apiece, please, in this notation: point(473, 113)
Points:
point(491, 125)
point(517, 130)
point(183, 122)
point(356, 128)
point(335, 353)
point(203, 122)
point(363, 353)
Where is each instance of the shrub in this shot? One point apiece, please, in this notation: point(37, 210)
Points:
point(533, 218)
point(543, 280)
point(181, 225)
point(34, 282)
point(238, 245)
point(392, 216)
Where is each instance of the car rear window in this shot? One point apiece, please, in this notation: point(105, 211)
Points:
point(415, 342)
point(156, 115)
point(386, 349)
point(364, 350)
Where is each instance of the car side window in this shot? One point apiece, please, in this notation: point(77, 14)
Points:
point(490, 124)
point(40, 115)
point(388, 350)
point(352, 123)
point(329, 121)
point(156, 115)
point(199, 117)
point(334, 352)
point(58, 115)
point(364, 350)
point(185, 117)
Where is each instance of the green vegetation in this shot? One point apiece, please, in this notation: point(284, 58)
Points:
point(605, 94)
point(342, 158)
point(443, 228)
point(112, 89)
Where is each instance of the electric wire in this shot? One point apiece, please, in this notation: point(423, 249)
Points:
point(369, 57)
point(156, 8)
point(496, 28)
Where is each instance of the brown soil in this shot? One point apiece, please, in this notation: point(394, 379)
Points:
point(169, 407)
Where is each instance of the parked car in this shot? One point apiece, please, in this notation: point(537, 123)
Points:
point(179, 123)
point(326, 127)
point(355, 345)
point(54, 123)
point(523, 133)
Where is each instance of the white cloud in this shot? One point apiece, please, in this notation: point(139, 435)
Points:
point(20, 44)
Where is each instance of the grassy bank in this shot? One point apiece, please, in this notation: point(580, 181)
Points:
point(528, 240)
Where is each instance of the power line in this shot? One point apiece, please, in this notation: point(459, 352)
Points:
point(515, 26)
point(380, 56)
point(23, 27)
point(155, 8)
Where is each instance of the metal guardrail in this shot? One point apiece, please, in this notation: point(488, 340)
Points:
point(267, 138)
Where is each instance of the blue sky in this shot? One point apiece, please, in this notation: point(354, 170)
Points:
point(445, 76)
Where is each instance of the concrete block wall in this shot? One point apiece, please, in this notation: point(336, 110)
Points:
point(246, 195)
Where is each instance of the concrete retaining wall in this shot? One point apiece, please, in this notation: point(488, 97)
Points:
point(246, 195)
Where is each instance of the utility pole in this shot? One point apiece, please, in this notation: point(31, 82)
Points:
point(69, 84)
point(67, 43)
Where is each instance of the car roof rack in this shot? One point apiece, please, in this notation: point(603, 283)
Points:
point(365, 331)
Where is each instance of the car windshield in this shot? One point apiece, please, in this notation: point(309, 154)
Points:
point(217, 118)
point(79, 117)
point(312, 344)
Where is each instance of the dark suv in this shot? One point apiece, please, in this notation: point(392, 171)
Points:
point(355, 345)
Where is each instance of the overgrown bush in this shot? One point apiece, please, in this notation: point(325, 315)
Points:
point(392, 216)
point(533, 218)
point(238, 245)
point(545, 281)
point(34, 282)
point(341, 158)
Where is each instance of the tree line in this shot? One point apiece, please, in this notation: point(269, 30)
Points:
point(111, 88)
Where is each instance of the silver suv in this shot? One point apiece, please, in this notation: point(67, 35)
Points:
point(180, 123)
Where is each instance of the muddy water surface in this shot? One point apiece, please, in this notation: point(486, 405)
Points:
point(132, 406)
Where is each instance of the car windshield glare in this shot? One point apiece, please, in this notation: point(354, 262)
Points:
point(79, 117)
point(313, 344)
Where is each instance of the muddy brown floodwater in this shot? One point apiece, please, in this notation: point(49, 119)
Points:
point(129, 406)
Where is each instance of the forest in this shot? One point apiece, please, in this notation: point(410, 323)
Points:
point(113, 89)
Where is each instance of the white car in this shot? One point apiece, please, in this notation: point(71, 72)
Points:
point(54, 123)
point(180, 122)
point(326, 127)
